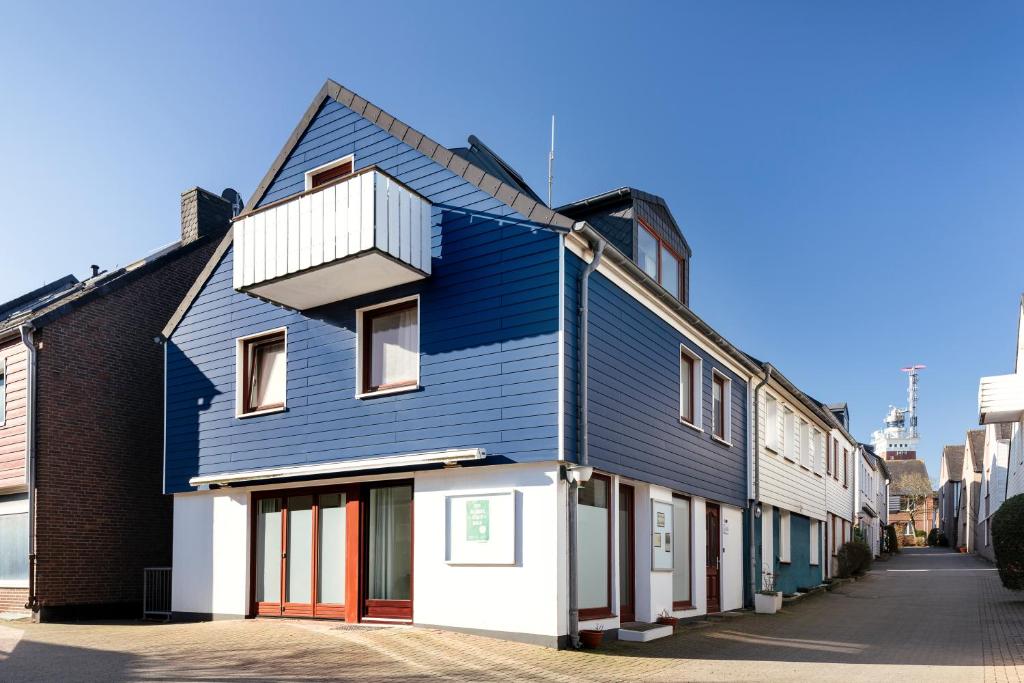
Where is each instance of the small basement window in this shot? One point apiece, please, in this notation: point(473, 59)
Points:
point(262, 372)
point(329, 172)
point(389, 347)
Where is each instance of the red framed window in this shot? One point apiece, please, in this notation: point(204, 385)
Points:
point(682, 553)
point(656, 258)
point(719, 398)
point(263, 372)
point(329, 175)
point(390, 347)
point(594, 539)
point(689, 383)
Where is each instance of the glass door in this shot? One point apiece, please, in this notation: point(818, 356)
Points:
point(300, 554)
point(387, 579)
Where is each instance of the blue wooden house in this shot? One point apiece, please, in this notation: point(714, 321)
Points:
point(405, 390)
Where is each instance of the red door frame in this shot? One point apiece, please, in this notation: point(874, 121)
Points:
point(355, 538)
point(715, 545)
point(385, 610)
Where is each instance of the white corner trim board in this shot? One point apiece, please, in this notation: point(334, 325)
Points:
point(358, 464)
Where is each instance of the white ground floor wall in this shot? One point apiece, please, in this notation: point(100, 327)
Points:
point(521, 590)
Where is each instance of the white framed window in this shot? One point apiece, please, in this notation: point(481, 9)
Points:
point(819, 451)
point(784, 531)
point(690, 386)
point(771, 422)
point(789, 445)
point(815, 536)
point(721, 408)
point(805, 444)
point(261, 369)
point(329, 172)
point(14, 541)
point(388, 347)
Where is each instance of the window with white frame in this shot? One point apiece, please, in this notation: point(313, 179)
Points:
point(818, 456)
point(689, 386)
point(788, 427)
point(784, 531)
point(771, 422)
point(261, 372)
point(805, 444)
point(389, 341)
point(721, 406)
point(815, 536)
point(14, 540)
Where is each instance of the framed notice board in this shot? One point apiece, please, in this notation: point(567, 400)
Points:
point(481, 528)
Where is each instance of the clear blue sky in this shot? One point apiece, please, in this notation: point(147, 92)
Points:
point(849, 175)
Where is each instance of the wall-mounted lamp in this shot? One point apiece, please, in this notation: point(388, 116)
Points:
point(580, 474)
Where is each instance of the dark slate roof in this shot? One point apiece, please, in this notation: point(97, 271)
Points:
point(510, 194)
point(976, 437)
point(649, 207)
point(954, 457)
point(66, 294)
point(483, 156)
point(901, 470)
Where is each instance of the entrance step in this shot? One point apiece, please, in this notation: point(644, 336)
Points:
point(639, 632)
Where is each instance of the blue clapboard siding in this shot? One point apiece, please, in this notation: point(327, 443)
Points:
point(798, 572)
point(634, 398)
point(489, 338)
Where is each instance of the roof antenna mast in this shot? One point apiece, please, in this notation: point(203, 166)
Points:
point(551, 161)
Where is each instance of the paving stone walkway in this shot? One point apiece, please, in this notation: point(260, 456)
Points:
point(927, 615)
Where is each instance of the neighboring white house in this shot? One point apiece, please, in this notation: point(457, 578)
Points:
point(840, 483)
point(872, 496)
point(974, 449)
point(992, 490)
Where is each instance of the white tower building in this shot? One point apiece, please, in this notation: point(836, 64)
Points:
point(898, 440)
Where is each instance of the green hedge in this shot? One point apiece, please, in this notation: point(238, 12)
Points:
point(853, 558)
point(1008, 542)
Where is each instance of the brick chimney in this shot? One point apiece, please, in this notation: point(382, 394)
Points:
point(203, 213)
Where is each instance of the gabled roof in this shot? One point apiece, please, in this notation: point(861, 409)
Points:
point(483, 156)
point(953, 455)
point(66, 294)
point(976, 440)
point(583, 208)
point(516, 196)
point(908, 477)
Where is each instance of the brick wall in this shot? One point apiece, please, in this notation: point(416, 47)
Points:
point(101, 514)
point(13, 599)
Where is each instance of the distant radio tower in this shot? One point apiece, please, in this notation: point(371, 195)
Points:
point(912, 396)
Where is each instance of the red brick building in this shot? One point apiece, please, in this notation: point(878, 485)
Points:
point(81, 428)
point(913, 505)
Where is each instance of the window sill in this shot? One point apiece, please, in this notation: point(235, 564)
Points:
point(785, 561)
point(788, 459)
point(14, 583)
point(771, 450)
point(721, 440)
point(687, 423)
point(805, 467)
point(257, 413)
point(388, 392)
point(818, 475)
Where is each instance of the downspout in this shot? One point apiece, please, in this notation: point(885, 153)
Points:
point(583, 448)
point(756, 501)
point(30, 464)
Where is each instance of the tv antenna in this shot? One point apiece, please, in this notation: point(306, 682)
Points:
point(911, 371)
point(551, 161)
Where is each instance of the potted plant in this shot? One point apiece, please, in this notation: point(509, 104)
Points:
point(768, 600)
point(592, 637)
point(667, 619)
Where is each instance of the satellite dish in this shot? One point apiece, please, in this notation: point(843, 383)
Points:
point(232, 196)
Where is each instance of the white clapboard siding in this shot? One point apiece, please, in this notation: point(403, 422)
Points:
point(368, 211)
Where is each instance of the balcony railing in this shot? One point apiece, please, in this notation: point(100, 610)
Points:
point(1000, 399)
point(364, 233)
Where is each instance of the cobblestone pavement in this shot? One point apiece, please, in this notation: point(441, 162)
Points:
point(926, 615)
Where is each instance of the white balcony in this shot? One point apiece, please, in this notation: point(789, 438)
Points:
point(362, 234)
point(1000, 399)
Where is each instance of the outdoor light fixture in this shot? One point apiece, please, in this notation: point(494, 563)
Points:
point(580, 474)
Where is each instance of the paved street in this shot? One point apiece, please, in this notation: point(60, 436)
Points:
point(926, 615)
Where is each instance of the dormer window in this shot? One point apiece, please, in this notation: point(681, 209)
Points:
point(657, 259)
point(329, 172)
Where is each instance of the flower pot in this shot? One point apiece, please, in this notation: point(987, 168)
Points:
point(668, 621)
point(591, 638)
point(767, 603)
